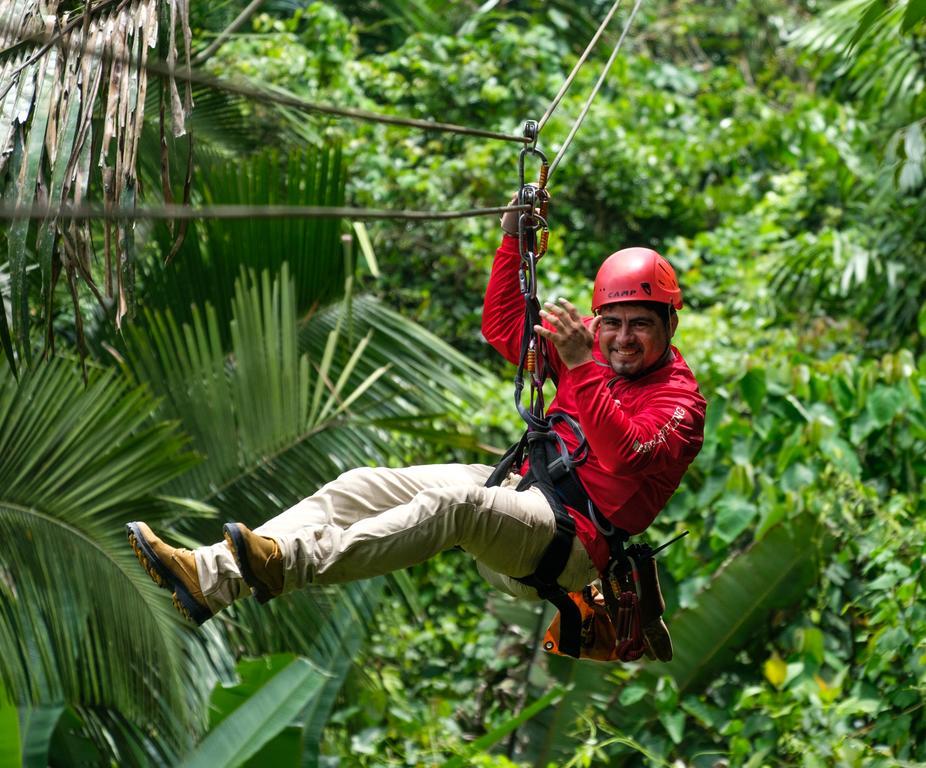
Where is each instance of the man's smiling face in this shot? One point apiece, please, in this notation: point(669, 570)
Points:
point(633, 338)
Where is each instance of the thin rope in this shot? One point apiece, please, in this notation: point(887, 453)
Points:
point(181, 212)
point(226, 33)
point(588, 103)
point(183, 74)
point(578, 65)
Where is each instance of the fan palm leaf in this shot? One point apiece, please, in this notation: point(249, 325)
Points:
point(244, 409)
point(79, 621)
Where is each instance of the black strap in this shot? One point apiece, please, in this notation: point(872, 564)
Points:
point(552, 471)
point(570, 618)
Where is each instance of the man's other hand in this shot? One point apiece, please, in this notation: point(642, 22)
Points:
point(572, 338)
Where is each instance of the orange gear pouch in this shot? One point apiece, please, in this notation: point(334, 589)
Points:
point(599, 638)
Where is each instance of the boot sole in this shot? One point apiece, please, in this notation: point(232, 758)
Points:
point(188, 607)
point(239, 549)
point(657, 640)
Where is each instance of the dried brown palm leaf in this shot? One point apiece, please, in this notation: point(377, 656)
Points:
point(59, 73)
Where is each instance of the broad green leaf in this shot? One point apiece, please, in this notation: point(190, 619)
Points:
point(674, 723)
point(267, 709)
point(812, 643)
point(771, 573)
point(734, 514)
point(253, 675)
point(842, 455)
point(38, 726)
point(914, 143)
point(884, 405)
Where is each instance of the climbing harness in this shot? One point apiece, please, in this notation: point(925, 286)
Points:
point(622, 621)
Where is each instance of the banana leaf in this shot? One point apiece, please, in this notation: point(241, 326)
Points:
point(267, 701)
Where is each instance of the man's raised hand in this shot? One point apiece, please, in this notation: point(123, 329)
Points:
point(572, 338)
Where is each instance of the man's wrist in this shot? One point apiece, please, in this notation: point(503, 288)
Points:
point(580, 363)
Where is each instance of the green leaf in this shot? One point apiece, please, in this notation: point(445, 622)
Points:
point(82, 623)
point(366, 247)
point(268, 706)
point(754, 388)
point(915, 13)
point(39, 725)
point(842, 455)
point(216, 252)
point(631, 694)
point(674, 723)
point(875, 11)
point(6, 340)
point(498, 733)
point(772, 573)
point(811, 640)
point(733, 517)
point(884, 404)
point(11, 753)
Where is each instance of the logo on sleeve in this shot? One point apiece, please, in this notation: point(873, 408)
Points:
point(664, 431)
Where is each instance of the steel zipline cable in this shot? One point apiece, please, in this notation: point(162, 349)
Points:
point(182, 212)
point(578, 65)
point(588, 103)
point(186, 74)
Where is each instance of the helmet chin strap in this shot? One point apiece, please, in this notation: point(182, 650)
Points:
point(664, 358)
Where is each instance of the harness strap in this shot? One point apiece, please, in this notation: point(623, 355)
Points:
point(544, 452)
point(551, 565)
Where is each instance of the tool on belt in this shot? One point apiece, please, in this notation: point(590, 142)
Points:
point(623, 621)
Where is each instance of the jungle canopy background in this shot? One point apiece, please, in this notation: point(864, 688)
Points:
point(773, 151)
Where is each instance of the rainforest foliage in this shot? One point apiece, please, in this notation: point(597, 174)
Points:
point(774, 151)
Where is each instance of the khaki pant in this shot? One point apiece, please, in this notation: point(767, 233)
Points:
point(371, 521)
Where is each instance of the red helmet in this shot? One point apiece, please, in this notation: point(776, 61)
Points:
point(636, 274)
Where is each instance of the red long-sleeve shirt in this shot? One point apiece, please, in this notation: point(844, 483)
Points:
point(642, 433)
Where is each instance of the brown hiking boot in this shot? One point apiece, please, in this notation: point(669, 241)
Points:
point(172, 568)
point(259, 560)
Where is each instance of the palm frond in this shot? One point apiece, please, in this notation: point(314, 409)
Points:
point(864, 46)
point(80, 621)
point(251, 414)
point(426, 376)
point(214, 252)
point(276, 422)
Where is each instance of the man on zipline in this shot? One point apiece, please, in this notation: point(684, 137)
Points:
point(618, 377)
